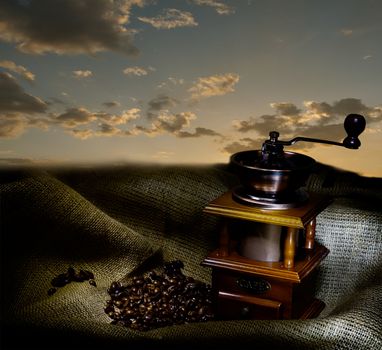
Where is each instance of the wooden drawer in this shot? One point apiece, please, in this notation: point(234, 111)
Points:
point(236, 306)
point(253, 286)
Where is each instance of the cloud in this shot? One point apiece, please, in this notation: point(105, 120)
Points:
point(160, 103)
point(285, 108)
point(18, 109)
point(321, 120)
point(138, 71)
point(5, 151)
point(15, 161)
point(111, 104)
point(82, 123)
point(174, 124)
point(107, 130)
point(123, 118)
point(75, 116)
point(176, 81)
point(170, 18)
point(243, 144)
point(171, 81)
point(82, 134)
point(214, 85)
point(164, 121)
point(198, 133)
point(56, 100)
point(338, 108)
point(220, 7)
point(75, 27)
point(346, 32)
point(79, 74)
point(39, 122)
point(162, 155)
point(13, 67)
point(12, 126)
point(262, 124)
point(13, 98)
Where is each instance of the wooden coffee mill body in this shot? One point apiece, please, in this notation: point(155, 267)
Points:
point(250, 289)
point(267, 259)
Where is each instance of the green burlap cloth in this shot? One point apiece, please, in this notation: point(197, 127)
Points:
point(120, 220)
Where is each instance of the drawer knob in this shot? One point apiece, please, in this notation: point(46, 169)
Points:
point(244, 312)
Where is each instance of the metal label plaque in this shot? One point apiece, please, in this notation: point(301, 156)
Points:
point(254, 285)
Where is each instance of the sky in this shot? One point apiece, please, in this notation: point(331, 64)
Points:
point(187, 81)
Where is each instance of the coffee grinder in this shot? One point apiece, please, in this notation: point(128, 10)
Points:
point(266, 261)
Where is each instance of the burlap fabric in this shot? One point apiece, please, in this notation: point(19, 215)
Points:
point(121, 220)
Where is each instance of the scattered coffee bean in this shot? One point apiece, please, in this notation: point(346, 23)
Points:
point(51, 291)
point(86, 275)
point(71, 276)
point(159, 300)
point(60, 280)
point(93, 283)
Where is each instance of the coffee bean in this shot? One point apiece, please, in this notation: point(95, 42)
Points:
point(83, 276)
point(60, 280)
point(139, 282)
point(93, 283)
point(153, 275)
point(71, 272)
point(51, 291)
point(158, 300)
point(70, 275)
point(113, 287)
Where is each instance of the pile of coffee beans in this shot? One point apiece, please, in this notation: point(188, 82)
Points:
point(157, 300)
point(71, 275)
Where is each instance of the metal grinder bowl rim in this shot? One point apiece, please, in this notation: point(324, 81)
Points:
point(307, 162)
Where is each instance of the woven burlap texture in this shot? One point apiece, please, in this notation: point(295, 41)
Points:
point(114, 220)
